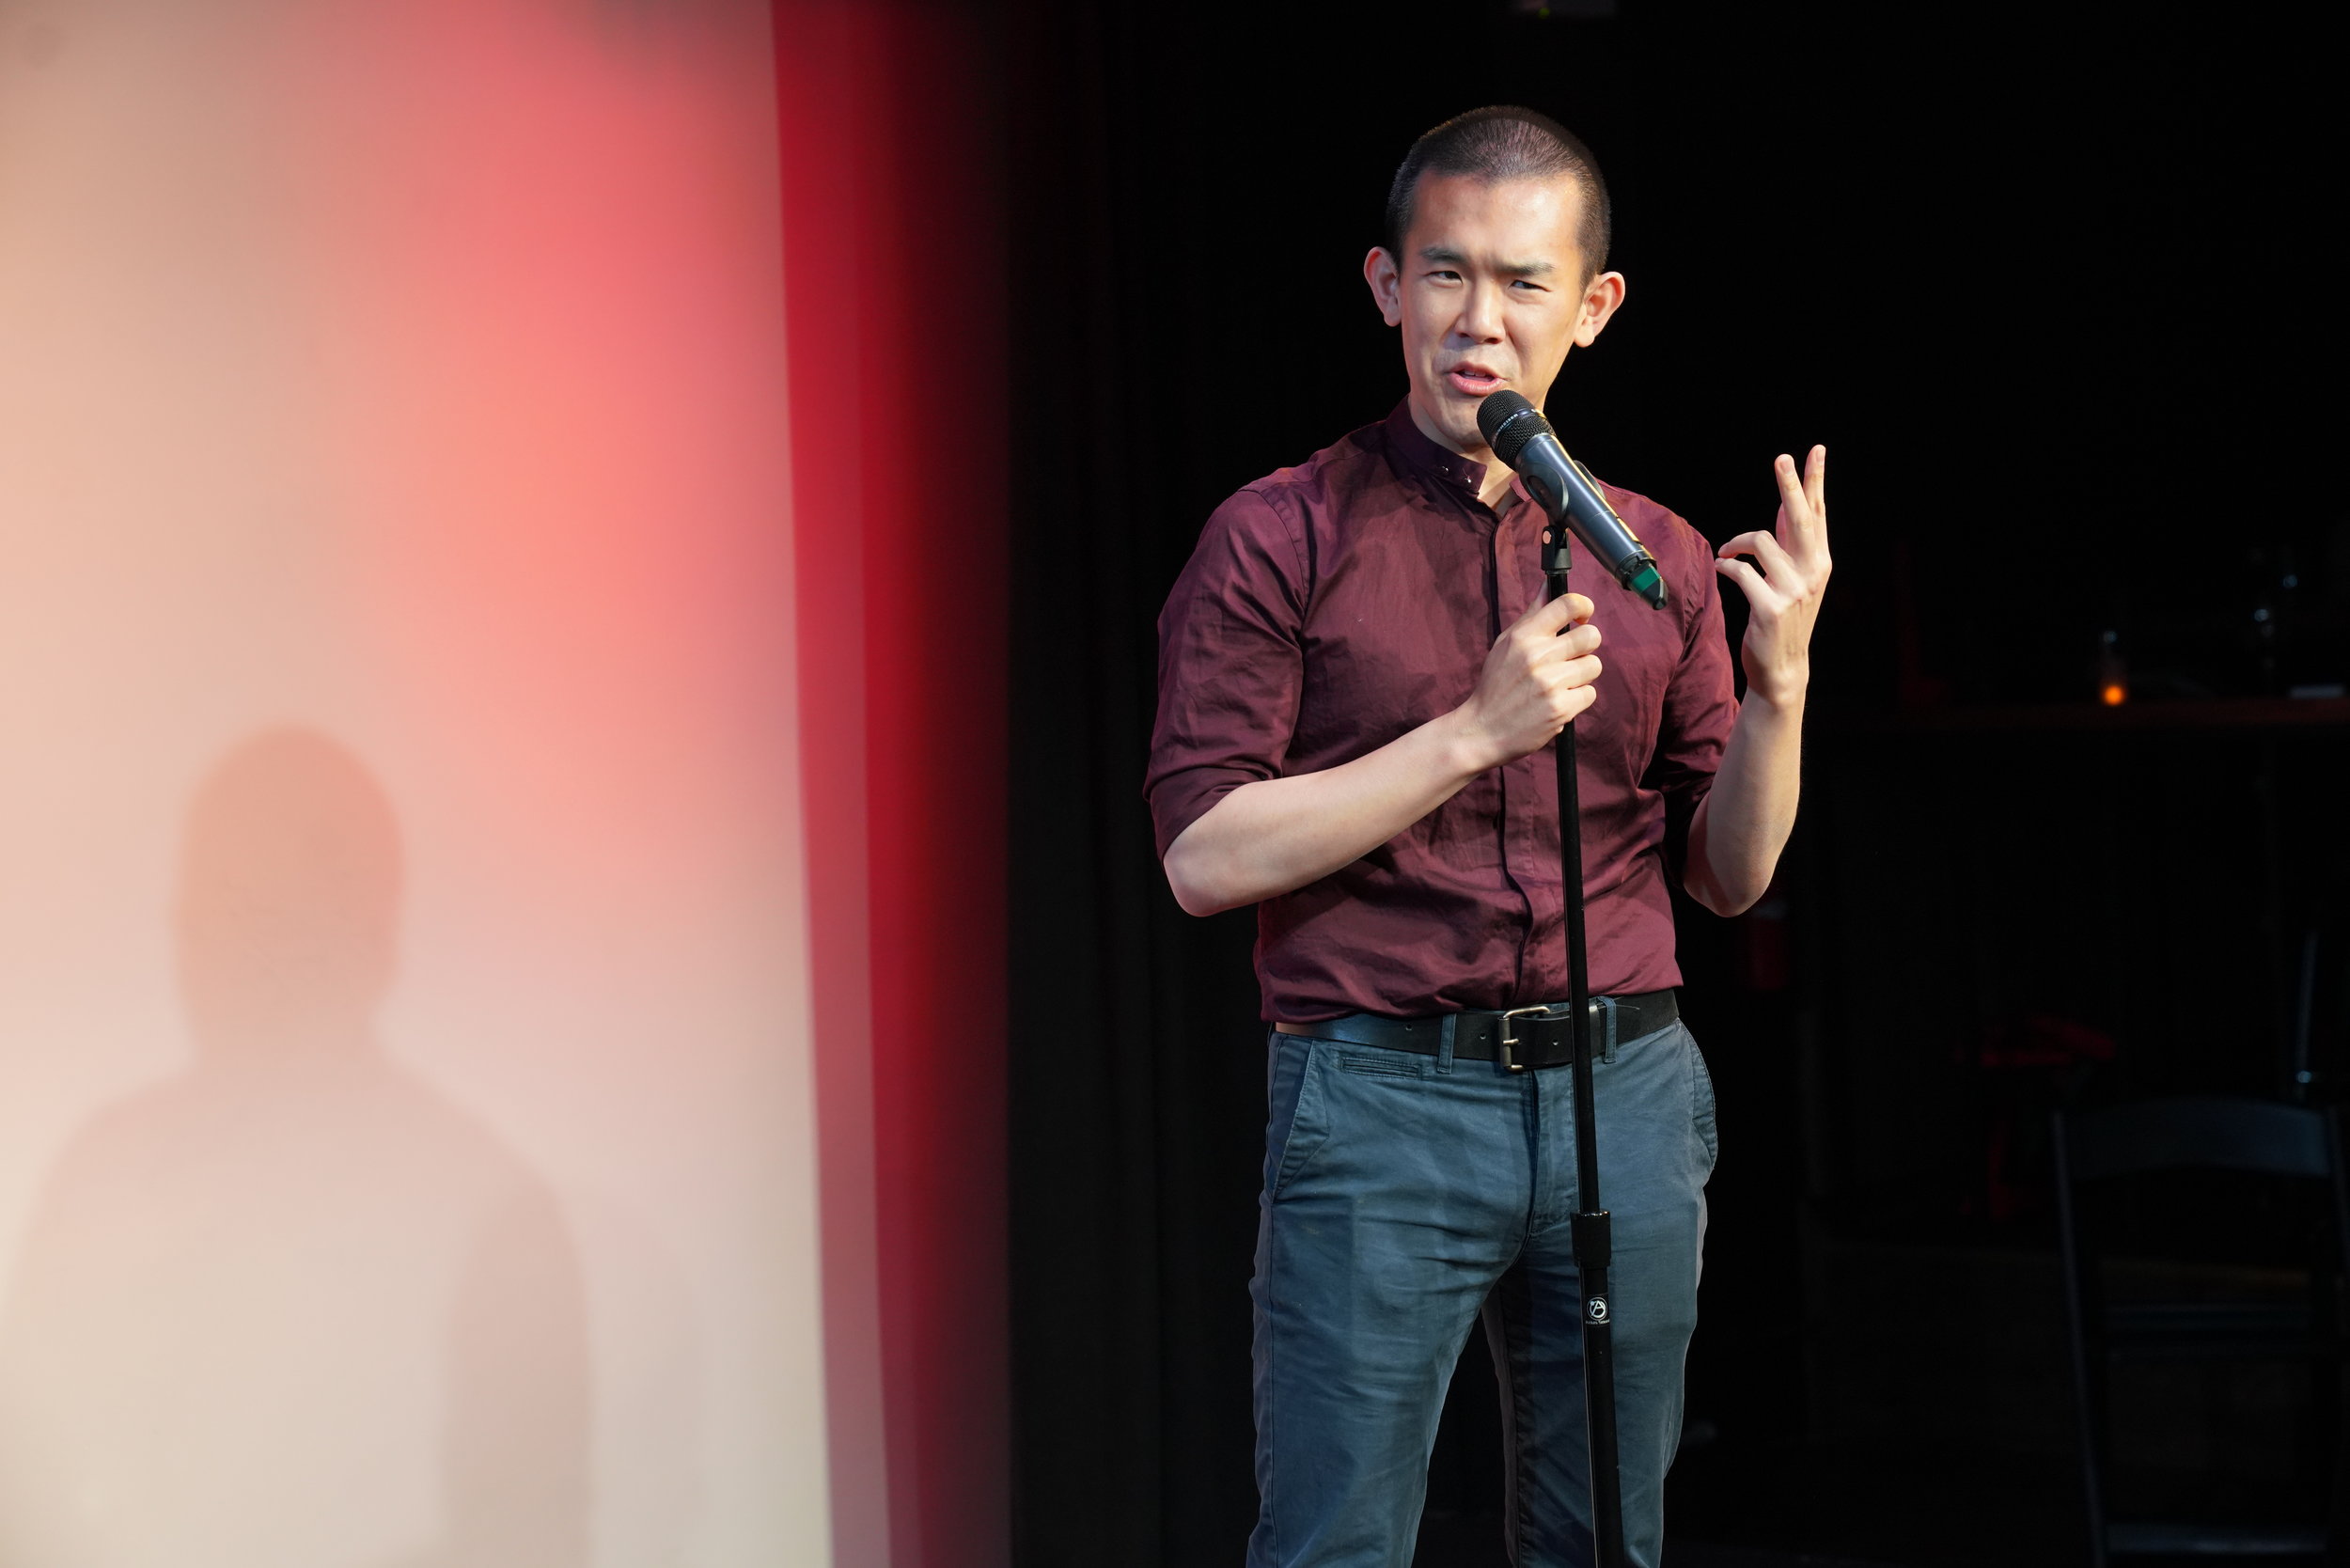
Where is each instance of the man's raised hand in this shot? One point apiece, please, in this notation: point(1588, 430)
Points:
point(1536, 679)
point(1783, 595)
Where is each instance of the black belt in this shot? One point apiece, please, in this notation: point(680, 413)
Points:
point(1518, 1038)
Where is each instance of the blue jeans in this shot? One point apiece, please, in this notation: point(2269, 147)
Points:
point(1404, 1195)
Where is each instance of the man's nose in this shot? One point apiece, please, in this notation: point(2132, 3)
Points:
point(1480, 320)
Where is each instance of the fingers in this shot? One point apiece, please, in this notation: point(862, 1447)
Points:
point(1570, 659)
point(1772, 556)
point(1541, 648)
point(1569, 688)
point(1759, 593)
point(1572, 643)
point(1542, 672)
point(1554, 615)
point(1782, 573)
point(1793, 504)
point(1803, 495)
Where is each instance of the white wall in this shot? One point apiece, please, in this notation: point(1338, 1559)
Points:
point(405, 1149)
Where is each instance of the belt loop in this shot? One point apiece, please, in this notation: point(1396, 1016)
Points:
point(1444, 1042)
point(1605, 1008)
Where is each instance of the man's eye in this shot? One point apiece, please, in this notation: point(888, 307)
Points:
point(1447, 277)
point(1528, 284)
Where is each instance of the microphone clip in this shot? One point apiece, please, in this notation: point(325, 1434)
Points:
point(1558, 553)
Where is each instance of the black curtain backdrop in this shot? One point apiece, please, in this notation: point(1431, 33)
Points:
point(2052, 291)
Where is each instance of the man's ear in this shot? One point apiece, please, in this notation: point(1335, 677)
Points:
point(1387, 283)
point(1602, 298)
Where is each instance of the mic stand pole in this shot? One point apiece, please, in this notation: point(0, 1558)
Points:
point(1592, 1241)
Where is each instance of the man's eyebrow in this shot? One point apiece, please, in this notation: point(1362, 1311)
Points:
point(1444, 257)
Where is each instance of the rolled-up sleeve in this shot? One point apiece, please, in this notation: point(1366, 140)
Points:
point(1701, 704)
point(1231, 664)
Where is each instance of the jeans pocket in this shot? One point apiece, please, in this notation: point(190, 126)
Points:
point(1295, 1127)
point(1702, 1103)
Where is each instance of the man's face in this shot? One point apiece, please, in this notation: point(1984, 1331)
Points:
point(1490, 292)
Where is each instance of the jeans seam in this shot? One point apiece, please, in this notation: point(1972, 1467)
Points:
point(1270, 1485)
point(1515, 1316)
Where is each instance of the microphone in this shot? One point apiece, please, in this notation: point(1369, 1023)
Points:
point(1524, 441)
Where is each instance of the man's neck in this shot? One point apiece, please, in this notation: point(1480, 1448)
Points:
point(1494, 492)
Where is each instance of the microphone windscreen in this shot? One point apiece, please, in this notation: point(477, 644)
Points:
point(1508, 422)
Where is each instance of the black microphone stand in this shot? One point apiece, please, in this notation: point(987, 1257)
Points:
point(1593, 1243)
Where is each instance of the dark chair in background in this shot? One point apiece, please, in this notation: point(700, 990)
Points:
point(2293, 1143)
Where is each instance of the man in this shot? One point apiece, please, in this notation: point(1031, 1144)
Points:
point(1359, 685)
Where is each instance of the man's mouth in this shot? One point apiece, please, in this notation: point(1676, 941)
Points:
point(1473, 380)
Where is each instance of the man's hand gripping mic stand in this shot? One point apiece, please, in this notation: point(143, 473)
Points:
point(1524, 441)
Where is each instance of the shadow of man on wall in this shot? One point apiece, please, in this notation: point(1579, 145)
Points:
point(292, 1306)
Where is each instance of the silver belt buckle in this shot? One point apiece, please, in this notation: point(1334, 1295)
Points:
point(1509, 1039)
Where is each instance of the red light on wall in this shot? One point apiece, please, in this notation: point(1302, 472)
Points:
point(2113, 695)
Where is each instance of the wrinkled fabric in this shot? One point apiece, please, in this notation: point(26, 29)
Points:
point(1403, 1194)
point(1332, 607)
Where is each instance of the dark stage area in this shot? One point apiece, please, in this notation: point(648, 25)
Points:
point(2051, 290)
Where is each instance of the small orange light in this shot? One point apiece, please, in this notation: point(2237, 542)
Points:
point(2113, 694)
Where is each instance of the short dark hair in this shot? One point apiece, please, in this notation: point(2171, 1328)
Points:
point(1503, 142)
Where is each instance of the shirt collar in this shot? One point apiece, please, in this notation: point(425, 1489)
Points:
point(1436, 467)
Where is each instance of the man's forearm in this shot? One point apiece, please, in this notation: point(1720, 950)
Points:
point(1277, 834)
point(1742, 823)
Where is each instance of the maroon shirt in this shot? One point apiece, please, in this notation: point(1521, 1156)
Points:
point(1331, 608)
